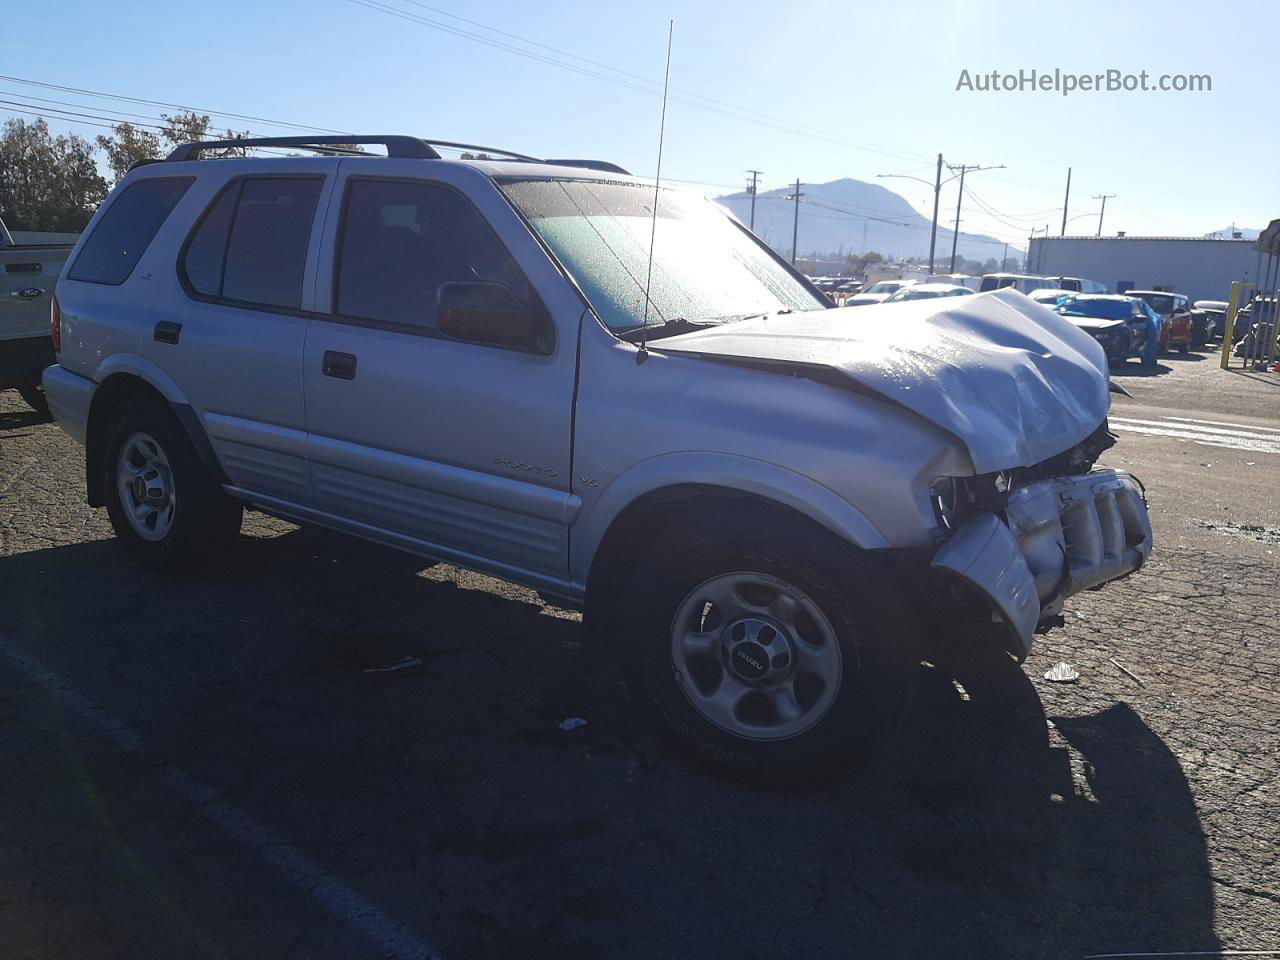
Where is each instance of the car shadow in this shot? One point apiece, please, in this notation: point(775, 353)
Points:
point(1134, 369)
point(338, 690)
point(16, 419)
point(1259, 376)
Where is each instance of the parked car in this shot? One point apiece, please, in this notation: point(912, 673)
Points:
point(1253, 328)
point(877, 292)
point(1050, 296)
point(28, 272)
point(1079, 284)
point(1214, 317)
point(1022, 282)
point(701, 466)
point(928, 291)
point(1123, 325)
point(1175, 309)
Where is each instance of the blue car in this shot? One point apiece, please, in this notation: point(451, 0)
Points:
point(1125, 326)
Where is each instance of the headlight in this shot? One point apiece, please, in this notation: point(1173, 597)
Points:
point(944, 496)
point(952, 498)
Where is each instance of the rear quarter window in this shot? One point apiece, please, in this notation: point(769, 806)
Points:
point(126, 229)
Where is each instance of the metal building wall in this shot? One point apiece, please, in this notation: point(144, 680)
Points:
point(1202, 269)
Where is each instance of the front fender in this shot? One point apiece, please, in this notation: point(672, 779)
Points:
point(727, 471)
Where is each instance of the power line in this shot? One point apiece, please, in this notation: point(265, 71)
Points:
point(173, 106)
point(713, 106)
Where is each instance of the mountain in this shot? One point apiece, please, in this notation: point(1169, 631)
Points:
point(854, 217)
point(1246, 233)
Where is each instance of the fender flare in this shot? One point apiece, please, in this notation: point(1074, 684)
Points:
point(144, 370)
point(739, 474)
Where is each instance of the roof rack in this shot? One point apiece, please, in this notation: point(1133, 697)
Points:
point(397, 145)
point(412, 148)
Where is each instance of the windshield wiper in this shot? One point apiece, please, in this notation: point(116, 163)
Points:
point(668, 328)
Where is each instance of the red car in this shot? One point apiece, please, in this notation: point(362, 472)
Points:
point(1175, 310)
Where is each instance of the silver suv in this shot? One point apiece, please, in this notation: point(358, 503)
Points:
point(761, 505)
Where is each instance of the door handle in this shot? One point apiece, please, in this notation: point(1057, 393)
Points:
point(340, 365)
point(26, 293)
point(167, 331)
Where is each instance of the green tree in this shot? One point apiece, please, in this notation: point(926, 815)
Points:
point(128, 144)
point(860, 262)
point(47, 182)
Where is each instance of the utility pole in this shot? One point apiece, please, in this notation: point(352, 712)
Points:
point(1066, 200)
point(933, 232)
point(1104, 197)
point(955, 236)
point(1004, 256)
point(755, 175)
point(795, 225)
point(955, 233)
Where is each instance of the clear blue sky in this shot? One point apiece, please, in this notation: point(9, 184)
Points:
point(876, 82)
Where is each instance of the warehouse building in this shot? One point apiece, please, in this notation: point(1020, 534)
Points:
point(1200, 267)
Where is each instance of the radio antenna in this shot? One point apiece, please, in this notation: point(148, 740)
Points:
point(657, 183)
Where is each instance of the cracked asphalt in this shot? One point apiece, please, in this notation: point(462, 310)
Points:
point(224, 767)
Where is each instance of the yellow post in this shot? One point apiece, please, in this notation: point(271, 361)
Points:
point(1237, 287)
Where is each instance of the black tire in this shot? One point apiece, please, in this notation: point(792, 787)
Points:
point(35, 399)
point(205, 521)
point(878, 638)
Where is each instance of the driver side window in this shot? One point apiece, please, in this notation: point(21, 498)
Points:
point(401, 240)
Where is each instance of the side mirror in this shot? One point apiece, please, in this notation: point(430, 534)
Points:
point(482, 312)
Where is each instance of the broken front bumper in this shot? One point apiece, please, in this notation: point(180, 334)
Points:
point(1057, 537)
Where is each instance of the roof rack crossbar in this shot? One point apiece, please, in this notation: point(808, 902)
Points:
point(413, 148)
point(507, 154)
point(605, 165)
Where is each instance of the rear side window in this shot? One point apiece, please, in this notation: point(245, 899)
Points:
point(400, 241)
point(251, 244)
point(126, 229)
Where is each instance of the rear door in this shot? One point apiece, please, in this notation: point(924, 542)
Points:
point(457, 449)
point(235, 346)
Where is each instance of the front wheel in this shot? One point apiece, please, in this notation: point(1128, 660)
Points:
point(171, 516)
point(769, 647)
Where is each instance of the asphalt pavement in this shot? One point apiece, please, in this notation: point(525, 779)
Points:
point(330, 750)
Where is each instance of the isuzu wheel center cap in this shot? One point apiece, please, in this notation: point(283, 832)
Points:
point(756, 651)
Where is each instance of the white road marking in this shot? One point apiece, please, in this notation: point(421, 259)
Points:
point(346, 905)
point(1205, 436)
point(1220, 423)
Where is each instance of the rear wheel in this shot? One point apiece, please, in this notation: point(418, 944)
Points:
point(768, 647)
point(168, 512)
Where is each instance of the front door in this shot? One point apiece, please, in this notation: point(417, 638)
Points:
point(460, 450)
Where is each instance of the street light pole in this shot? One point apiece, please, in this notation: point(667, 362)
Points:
point(933, 231)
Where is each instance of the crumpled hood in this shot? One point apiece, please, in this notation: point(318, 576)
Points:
point(1014, 381)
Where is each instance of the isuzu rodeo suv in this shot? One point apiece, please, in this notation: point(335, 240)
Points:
point(759, 502)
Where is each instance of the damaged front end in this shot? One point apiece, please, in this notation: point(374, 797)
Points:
point(1028, 539)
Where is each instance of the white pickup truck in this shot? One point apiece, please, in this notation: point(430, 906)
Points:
point(29, 268)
